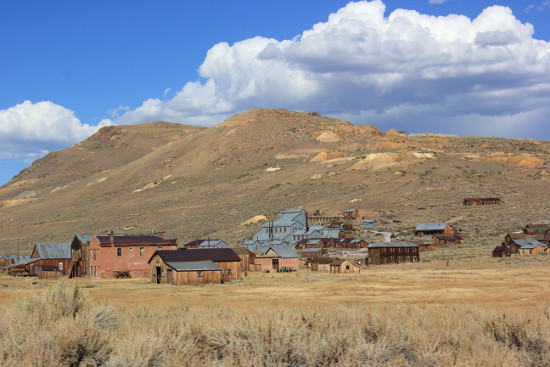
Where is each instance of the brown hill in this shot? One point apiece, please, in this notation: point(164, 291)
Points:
point(194, 182)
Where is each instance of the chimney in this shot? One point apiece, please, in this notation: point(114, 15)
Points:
point(111, 237)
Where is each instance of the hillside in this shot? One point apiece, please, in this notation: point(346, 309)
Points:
point(194, 182)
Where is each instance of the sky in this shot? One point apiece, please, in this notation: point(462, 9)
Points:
point(67, 68)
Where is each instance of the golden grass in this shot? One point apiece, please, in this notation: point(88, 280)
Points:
point(486, 314)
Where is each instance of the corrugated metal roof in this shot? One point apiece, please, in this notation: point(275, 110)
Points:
point(16, 257)
point(213, 244)
point(392, 244)
point(431, 226)
point(54, 250)
point(83, 238)
point(528, 243)
point(284, 251)
point(186, 255)
point(194, 266)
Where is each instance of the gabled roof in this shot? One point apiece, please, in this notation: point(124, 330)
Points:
point(283, 251)
point(186, 255)
point(241, 250)
point(206, 265)
point(213, 244)
point(528, 243)
point(431, 226)
point(392, 244)
point(83, 238)
point(17, 258)
point(53, 250)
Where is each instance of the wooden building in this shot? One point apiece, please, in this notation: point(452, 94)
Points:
point(528, 246)
point(51, 254)
point(502, 251)
point(80, 256)
point(342, 266)
point(310, 253)
point(350, 214)
point(122, 256)
point(481, 201)
point(248, 258)
point(441, 239)
point(430, 229)
point(321, 263)
point(393, 253)
point(47, 272)
point(540, 229)
point(350, 243)
point(189, 266)
point(542, 238)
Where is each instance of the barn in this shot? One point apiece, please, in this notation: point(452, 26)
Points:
point(194, 266)
point(51, 254)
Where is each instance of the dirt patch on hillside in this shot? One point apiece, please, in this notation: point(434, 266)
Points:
point(10, 203)
point(325, 156)
point(522, 160)
point(326, 136)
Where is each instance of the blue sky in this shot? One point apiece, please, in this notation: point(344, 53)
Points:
point(451, 66)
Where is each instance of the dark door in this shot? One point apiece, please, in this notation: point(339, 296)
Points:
point(159, 273)
point(275, 264)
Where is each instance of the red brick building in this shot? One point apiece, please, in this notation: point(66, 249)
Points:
point(112, 256)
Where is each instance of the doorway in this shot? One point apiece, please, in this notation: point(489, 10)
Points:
point(159, 274)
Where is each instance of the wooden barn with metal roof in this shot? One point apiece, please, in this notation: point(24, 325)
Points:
point(192, 266)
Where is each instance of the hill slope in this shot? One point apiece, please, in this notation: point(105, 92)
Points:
point(192, 181)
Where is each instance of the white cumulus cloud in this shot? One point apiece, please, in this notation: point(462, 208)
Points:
point(30, 130)
point(407, 70)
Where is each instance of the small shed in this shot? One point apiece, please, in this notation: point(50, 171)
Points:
point(502, 251)
point(321, 263)
point(428, 229)
point(48, 272)
point(481, 201)
point(528, 246)
point(441, 239)
point(342, 266)
point(350, 213)
point(370, 224)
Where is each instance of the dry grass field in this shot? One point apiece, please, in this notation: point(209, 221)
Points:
point(484, 313)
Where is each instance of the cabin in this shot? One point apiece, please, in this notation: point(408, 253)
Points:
point(350, 214)
point(11, 259)
point(52, 254)
point(278, 257)
point(191, 266)
point(440, 239)
point(430, 229)
point(310, 253)
point(481, 201)
point(536, 229)
point(542, 238)
point(370, 224)
point(321, 263)
point(528, 246)
point(393, 253)
point(351, 243)
point(342, 266)
point(125, 256)
point(502, 251)
point(248, 258)
point(316, 243)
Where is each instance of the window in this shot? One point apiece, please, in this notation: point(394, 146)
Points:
point(159, 248)
point(229, 272)
point(199, 273)
point(119, 251)
point(141, 251)
point(131, 249)
point(347, 267)
point(60, 266)
point(93, 254)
